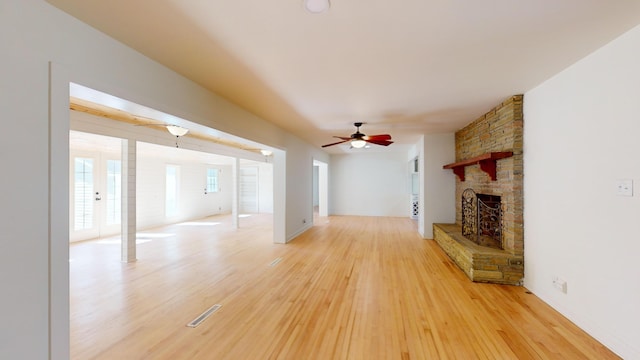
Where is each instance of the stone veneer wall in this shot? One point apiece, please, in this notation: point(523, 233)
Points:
point(498, 130)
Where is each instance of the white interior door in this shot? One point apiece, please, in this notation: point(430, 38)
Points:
point(248, 189)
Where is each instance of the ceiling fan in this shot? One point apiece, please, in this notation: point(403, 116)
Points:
point(359, 140)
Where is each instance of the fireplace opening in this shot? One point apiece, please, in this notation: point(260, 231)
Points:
point(482, 218)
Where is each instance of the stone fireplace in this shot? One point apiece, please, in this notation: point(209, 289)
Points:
point(487, 240)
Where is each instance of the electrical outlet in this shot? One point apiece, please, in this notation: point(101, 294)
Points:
point(624, 187)
point(560, 284)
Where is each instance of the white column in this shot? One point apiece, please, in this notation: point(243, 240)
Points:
point(128, 199)
point(58, 302)
point(279, 197)
point(323, 189)
point(235, 201)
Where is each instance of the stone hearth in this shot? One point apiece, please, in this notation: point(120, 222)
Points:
point(489, 161)
point(480, 263)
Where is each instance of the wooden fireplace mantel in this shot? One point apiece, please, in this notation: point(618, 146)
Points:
point(487, 163)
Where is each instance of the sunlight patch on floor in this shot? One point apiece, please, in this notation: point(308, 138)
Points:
point(154, 235)
point(199, 223)
point(118, 241)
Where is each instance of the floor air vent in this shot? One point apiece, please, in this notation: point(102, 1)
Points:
point(275, 262)
point(197, 321)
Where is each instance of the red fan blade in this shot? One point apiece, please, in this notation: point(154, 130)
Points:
point(336, 143)
point(377, 137)
point(380, 142)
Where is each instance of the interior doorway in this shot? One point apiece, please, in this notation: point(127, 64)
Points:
point(320, 188)
point(60, 180)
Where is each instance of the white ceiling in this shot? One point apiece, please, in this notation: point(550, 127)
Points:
point(403, 67)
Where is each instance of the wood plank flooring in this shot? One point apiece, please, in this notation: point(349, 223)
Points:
point(349, 288)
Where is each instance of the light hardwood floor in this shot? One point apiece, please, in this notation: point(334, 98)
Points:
point(349, 288)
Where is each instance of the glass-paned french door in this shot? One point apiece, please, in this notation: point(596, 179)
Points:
point(95, 195)
point(83, 214)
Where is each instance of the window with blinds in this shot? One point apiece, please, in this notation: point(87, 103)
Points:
point(212, 181)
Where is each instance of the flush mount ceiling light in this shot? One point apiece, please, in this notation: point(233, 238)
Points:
point(177, 130)
point(266, 152)
point(317, 6)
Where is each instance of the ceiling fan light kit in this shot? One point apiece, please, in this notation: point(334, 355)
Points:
point(358, 143)
point(317, 6)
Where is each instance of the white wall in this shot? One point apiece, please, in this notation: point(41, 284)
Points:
point(193, 156)
point(370, 184)
point(151, 176)
point(299, 185)
point(580, 136)
point(193, 203)
point(265, 188)
point(43, 49)
point(315, 185)
point(437, 201)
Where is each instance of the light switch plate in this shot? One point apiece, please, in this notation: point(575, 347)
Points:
point(624, 187)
